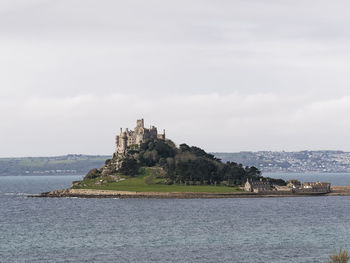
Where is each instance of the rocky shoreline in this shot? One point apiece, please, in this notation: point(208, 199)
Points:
point(92, 193)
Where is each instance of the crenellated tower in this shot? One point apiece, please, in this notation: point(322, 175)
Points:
point(136, 136)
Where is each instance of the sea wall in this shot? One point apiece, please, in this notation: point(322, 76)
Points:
point(340, 190)
point(93, 193)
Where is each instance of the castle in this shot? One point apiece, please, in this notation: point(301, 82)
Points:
point(136, 137)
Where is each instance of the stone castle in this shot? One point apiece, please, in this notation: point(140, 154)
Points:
point(136, 137)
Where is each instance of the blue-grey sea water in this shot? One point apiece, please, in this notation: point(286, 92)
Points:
point(292, 229)
point(333, 178)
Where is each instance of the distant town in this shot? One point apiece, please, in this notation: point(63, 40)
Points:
point(300, 162)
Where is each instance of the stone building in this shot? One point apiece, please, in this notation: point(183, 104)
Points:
point(316, 187)
point(136, 136)
point(294, 184)
point(257, 186)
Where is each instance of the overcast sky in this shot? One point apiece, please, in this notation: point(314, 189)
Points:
point(223, 75)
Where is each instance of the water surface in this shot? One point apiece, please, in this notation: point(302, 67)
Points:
point(294, 229)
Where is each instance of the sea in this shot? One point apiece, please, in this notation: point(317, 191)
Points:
point(290, 229)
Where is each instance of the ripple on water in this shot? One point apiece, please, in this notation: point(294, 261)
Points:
point(164, 230)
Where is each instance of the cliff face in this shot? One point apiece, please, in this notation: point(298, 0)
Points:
point(113, 165)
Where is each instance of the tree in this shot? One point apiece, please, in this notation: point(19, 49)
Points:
point(94, 173)
point(129, 166)
point(186, 164)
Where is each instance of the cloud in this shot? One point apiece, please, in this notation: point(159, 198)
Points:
point(325, 116)
point(228, 75)
point(72, 48)
point(88, 124)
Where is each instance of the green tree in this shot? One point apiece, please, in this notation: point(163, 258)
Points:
point(129, 166)
point(93, 173)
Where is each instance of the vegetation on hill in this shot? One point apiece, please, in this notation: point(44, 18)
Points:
point(183, 165)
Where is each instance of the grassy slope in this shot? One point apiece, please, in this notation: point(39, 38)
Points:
point(138, 184)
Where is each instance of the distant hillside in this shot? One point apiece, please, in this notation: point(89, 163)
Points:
point(67, 164)
point(303, 161)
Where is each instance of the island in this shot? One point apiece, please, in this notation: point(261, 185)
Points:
point(146, 164)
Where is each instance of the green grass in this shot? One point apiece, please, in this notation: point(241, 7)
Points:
point(138, 184)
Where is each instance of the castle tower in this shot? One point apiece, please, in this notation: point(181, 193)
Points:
point(122, 142)
point(161, 136)
point(140, 123)
point(139, 131)
point(136, 136)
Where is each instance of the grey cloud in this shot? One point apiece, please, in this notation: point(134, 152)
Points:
point(246, 68)
point(88, 124)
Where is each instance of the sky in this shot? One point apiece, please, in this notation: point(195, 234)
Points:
point(223, 75)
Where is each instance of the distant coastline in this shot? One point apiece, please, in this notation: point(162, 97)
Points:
point(292, 162)
point(266, 161)
point(53, 165)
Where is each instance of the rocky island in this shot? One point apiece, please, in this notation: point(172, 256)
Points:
point(146, 164)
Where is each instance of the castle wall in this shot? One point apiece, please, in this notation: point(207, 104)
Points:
point(137, 136)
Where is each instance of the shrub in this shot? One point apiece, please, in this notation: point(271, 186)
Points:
point(149, 179)
point(341, 257)
point(129, 166)
point(94, 173)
